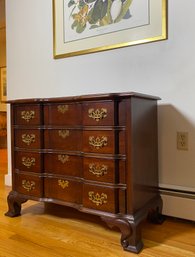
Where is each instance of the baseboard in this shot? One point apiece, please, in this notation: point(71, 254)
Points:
point(178, 203)
point(8, 180)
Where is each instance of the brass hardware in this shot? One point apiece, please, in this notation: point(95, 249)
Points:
point(27, 115)
point(98, 114)
point(28, 185)
point(62, 108)
point(28, 139)
point(98, 170)
point(98, 142)
point(63, 133)
point(28, 162)
point(63, 158)
point(63, 183)
point(97, 198)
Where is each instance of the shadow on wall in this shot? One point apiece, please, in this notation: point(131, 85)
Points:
point(175, 166)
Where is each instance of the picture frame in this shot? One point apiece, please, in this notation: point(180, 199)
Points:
point(83, 27)
point(3, 84)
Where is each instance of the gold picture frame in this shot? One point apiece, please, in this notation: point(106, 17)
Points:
point(3, 84)
point(85, 29)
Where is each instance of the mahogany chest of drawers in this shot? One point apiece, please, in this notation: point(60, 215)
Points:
point(96, 153)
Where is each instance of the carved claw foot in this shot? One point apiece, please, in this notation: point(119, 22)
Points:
point(14, 204)
point(130, 233)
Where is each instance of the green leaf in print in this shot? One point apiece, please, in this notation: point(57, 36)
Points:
point(71, 2)
point(94, 27)
point(124, 10)
point(89, 1)
point(80, 28)
point(99, 10)
point(75, 24)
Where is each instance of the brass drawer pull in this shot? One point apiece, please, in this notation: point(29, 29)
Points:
point(28, 162)
point(97, 114)
point(98, 142)
point(63, 133)
point(97, 198)
point(28, 139)
point(62, 108)
point(28, 185)
point(63, 158)
point(98, 170)
point(63, 183)
point(27, 115)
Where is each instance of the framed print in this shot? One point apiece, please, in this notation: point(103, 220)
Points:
point(3, 84)
point(87, 26)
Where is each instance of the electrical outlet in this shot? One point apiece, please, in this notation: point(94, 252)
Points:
point(182, 140)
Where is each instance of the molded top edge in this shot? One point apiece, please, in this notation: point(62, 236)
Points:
point(90, 97)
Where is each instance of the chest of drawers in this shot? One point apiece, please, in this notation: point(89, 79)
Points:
point(95, 153)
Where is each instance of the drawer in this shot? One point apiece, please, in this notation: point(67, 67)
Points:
point(100, 198)
point(28, 138)
point(62, 114)
point(63, 164)
point(97, 114)
point(65, 139)
point(26, 161)
point(104, 141)
point(29, 185)
point(104, 170)
point(63, 189)
point(27, 114)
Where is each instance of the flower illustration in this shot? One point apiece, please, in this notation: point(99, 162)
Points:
point(96, 13)
point(80, 19)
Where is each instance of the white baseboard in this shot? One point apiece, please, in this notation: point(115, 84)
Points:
point(8, 180)
point(178, 203)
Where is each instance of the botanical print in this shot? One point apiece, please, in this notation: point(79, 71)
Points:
point(87, 18)
point(98, 13)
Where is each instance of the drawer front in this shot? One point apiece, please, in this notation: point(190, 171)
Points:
point(63, 189)
point(65, 139)
point(63, 164)
point(104, 170)
point(62, 114)
point(29, 185)
point(30, 162)
point(99, 142)
point(27, 115)
point(97, 114)
point(100, 198)
point(28, 138)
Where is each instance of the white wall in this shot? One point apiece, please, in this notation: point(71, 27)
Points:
point(165, 69)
